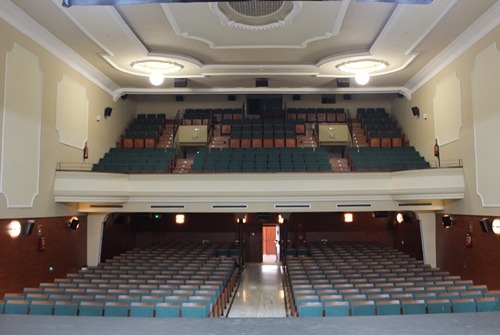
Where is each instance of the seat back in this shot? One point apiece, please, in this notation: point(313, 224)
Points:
point(116, 308)
point(91, 308)
point(388, 307)
point(69, 308)
point(310, 309)
point(41, 307)
point(168, 310)
point(142, 309)
point(16, 307)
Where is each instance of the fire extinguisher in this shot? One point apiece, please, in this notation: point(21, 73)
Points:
point(41, 243)
point(436, 149)
point(85, 151)
point(468, 240)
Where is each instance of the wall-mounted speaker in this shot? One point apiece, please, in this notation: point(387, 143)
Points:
point(416, 111)
point(180, 82)
point(231, 97)
point(107, 111)
point(28, 228)
point(296, 97)
point(261, 82)
point(380, 214)
point(179, 98)
point(347, 97)
point(343, 82)
point(485, 225)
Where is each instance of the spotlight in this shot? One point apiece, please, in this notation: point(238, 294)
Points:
point(400, 218)
point(74, 223)
point(180, 218)
point(348, 217)
point(14, 228)
point(495, 226)
point(447, 221)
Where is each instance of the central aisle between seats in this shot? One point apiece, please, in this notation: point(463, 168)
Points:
point(260, 293)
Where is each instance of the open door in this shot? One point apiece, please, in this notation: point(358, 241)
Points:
point(270, 236)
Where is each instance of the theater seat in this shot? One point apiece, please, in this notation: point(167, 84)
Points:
point(337, 308)
point(168, 310)
point(310, 309)
point(16, 307)
point(464, 305)
point(41, 307)
point(388, 307)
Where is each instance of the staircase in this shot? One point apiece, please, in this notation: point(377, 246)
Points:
point(358, 135)
point(309, 139)
point(182, 166)
point(340, 165)
point(167, 138)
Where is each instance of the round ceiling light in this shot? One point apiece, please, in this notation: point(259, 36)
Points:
point(156, 78)
point(362, 69)
point(362, 78)
point(149, 66)
point(363, 65)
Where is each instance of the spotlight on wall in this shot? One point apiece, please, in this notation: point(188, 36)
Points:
point(486, 225)
point(74, 223)
point(348, 217)
point(400, 218)
point(495, 226)
point(280, 219)
point(180, 218)
point(447, 221)
point(14, 229)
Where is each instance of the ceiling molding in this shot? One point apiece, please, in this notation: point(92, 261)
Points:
point(482, 26)
point(30, 28)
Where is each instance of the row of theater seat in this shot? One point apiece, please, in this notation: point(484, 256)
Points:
point(137, 160)
point(165, 281)
point(329, 115)
point(144, 131)
point(342, 280)
point(205, 115)
point(261, 160)
point(385, 159)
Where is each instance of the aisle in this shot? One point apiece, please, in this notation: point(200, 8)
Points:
point(260, 293)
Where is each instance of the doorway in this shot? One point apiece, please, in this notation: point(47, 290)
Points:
point(270, 238)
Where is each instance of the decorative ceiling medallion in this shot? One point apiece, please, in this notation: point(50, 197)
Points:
point(256, 15)
point(363, 65)
point(158, 66)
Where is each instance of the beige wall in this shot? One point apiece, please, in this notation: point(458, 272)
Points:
point(422, 134)
point(101, 135)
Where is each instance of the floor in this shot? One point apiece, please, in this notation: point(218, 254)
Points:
point(260, 292)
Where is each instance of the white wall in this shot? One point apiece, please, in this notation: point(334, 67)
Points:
point(422, 132)
point(101, 135)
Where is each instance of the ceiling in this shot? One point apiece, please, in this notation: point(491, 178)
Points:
point(223, 47)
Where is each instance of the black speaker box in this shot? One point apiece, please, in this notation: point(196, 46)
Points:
point(343, 82)
point(347, 97)
point(415, 111)
point(261, 82)
point(179, 98)
point(296, 97)
point(180, 82)
point(231, 97)
point(107, 111)
point(485, 225)
point(28, 228)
